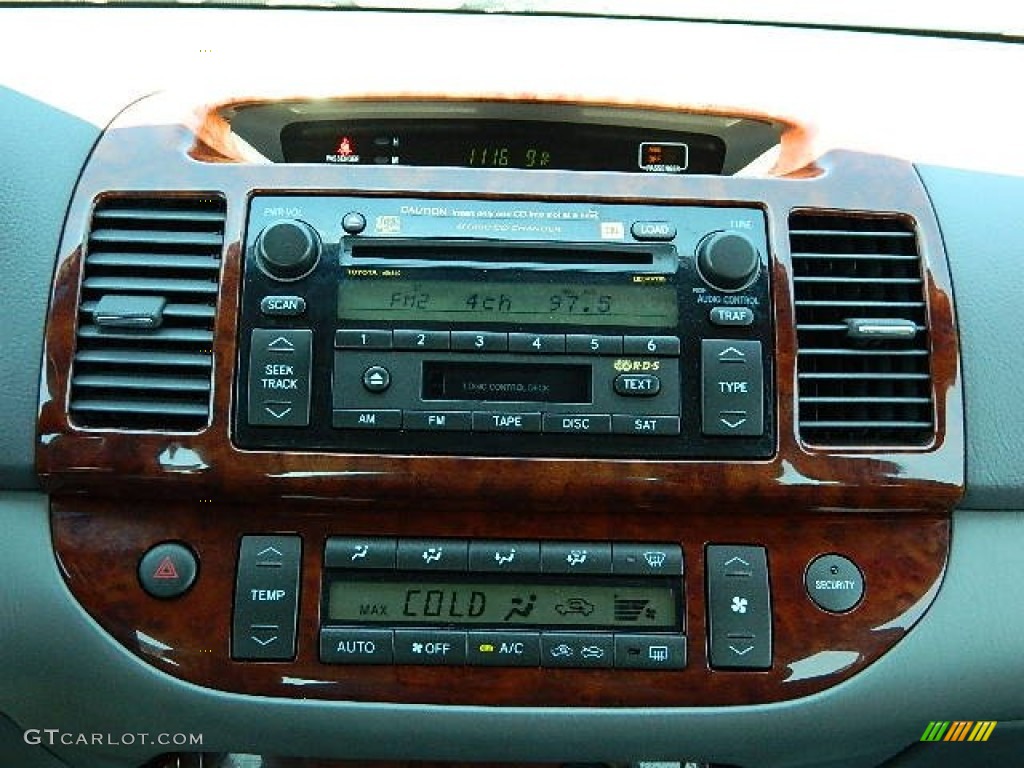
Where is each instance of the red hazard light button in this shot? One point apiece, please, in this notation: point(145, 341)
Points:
point(168, 570)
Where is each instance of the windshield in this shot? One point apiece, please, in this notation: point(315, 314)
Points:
point(980, 18)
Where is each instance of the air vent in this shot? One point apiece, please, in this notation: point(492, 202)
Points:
point(145, 324)
point(863, 368)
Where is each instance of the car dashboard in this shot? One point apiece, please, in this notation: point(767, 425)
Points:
point(413, 391)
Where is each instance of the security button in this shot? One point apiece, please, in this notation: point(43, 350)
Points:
point(834, 583)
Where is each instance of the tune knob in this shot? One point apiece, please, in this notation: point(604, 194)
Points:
point(288, 249)
point(727, 261)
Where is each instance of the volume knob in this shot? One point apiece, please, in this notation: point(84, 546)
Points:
point(727, 260)
point(288, 249)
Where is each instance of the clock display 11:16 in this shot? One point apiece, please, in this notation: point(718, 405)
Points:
point(496, 156)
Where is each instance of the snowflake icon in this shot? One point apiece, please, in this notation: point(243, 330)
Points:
point(739, 605)
point(417, 647)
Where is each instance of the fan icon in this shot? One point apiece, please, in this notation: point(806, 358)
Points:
point(739, 605)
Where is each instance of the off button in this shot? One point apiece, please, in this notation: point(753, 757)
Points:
point(432, 647)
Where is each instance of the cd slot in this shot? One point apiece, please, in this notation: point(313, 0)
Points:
point(475, 253)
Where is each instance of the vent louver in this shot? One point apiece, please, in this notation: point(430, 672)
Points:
point(863, 369)
point(144, 358)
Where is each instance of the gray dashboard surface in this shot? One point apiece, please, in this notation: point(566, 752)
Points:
point(43, 151)
point(963, 661)
point(979, 216)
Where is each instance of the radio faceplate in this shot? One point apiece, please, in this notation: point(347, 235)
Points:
point(486, 327)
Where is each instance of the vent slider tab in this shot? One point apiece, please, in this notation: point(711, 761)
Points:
point(881, 329)
point(113, 311)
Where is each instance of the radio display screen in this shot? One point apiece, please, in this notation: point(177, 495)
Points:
point(526, 603)
point(520, 144)
point(473, 302)
point(503, 382)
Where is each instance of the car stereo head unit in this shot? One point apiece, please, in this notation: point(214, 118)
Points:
point(505, 328)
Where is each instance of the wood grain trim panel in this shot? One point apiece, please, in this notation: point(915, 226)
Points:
point(147, 152)
point(118, 493)
point(99, 544)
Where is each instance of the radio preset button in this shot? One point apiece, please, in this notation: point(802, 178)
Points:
point(504, 649)
point(360, 552)
point(438, 421)
point(575, 557)
point(433, 554)
point(504, 556)
point(484, 421)
point(576, 649)
point(732, 316)
point(653, 231)
point(356, 646)
point(412, 339)
point(376, 378)
point(627, 424)
point(582, 344)
point(353, 222)
point(349, 338)
point(637, 384)
point(479, 341)
point(663, 346)
point(282, 306)
point(371, 419)
point(534, 343)
point(441, 647)
point(577, 423)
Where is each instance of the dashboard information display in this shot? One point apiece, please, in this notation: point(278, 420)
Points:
point(520, 144)
point(612, 606)
point(408, 301)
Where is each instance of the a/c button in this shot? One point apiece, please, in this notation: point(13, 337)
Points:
point(504, 649)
